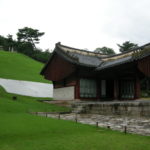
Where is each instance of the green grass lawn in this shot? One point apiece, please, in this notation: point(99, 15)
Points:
point(24, 104)
point(22, 131)
point(20, 67)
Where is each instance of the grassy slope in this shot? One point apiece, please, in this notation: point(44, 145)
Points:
point(23, 104)
point(22, 131)
point(20, 67)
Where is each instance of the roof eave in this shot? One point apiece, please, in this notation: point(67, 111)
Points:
point(67, 58)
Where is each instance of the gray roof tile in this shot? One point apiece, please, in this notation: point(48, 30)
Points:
point(97, 60)
point(115, 62)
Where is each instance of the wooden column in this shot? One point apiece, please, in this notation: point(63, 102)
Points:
point(77, 89)
point(137, 88)
point(116, 89)
point(98, 89)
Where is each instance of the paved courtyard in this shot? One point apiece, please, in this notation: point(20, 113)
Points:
point(134, 125)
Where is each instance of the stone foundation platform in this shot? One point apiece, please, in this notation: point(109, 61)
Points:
point(136, 108)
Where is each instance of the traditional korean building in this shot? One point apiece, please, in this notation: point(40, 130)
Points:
point(84, 75)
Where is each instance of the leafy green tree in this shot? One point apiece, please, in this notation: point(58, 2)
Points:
point(2, 41)
point(30, 35)
point(42, 56)
point(27, 38)
point(105, 50)
point(10, 42)
point(25, 48)
point(7, 42)
point(127, 46)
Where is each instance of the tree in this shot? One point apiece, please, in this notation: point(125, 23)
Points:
point(10, 42)
point(7, 42)
point(127, 46)
point(42, 56)
point(105, 50)
point(25, 48)
point(30, 35)
point(3, 42)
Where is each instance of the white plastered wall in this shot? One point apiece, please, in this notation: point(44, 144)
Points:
point(65, 93)
point(27, 88)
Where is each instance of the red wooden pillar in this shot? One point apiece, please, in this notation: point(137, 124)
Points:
point(77, 89)
point(116, 89)
point(137, 88)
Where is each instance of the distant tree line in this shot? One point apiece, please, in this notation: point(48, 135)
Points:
point(122, 48)
point(27, 38)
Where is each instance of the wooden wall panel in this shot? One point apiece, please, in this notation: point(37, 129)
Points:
point(144, 66)
point(58, 84)
point(58, 69)
point(70, 82)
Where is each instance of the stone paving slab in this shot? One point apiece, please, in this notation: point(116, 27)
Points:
point(134, 125)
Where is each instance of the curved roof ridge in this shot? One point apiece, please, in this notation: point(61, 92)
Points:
point(124, 54)
point(81, 51)
point(131, 50)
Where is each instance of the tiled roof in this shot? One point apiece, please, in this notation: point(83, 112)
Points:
point(125, 57)
point(114, 62)
point(79, 57)
point(97, 60)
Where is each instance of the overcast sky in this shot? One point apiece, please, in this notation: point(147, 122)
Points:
point(79, 23)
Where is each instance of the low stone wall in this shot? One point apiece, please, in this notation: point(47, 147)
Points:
point(121, 108)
